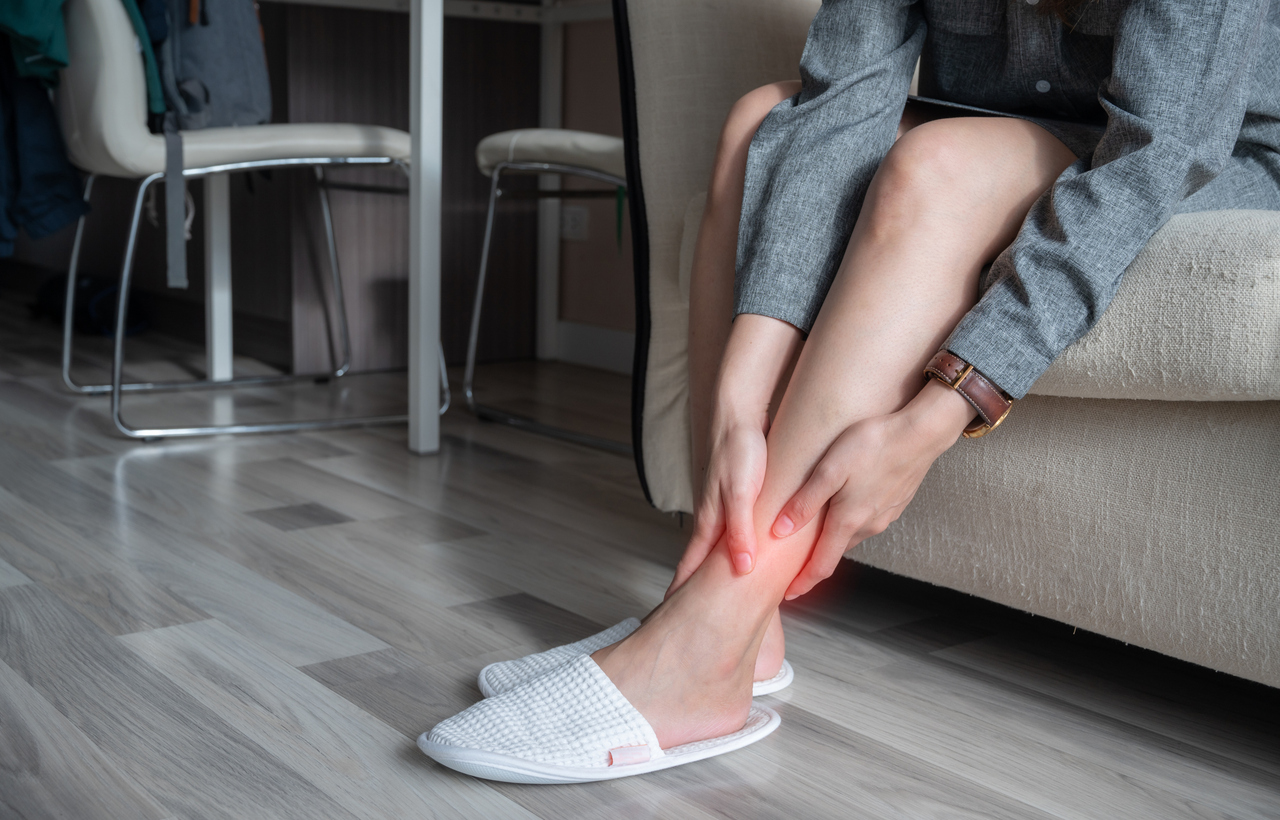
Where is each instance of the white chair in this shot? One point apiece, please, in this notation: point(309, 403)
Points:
point(101, 106)
point(540, 151)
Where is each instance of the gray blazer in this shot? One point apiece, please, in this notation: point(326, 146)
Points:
point(1170, 105)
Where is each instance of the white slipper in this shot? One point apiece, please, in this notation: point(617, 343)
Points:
point(503, 676)
point(570, 725)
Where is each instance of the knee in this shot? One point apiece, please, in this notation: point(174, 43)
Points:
point(927, 168)
point(739, 128)
point(751, 108)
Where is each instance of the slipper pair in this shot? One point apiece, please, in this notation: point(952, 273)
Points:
point(555, 717)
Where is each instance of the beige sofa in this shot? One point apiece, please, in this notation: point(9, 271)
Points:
point(1136, 493)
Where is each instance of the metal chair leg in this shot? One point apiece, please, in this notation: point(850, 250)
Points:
point(131, 387)
point(469, 374)
point(335, 278)
point(445, 392)
point(69, 301)
point(122, 306)
point(484, 412)
point(117, 386)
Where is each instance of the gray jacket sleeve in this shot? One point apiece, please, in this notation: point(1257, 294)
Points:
point(1175, 102)
point(813, 157)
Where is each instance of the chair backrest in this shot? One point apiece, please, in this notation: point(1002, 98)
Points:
point(102, 95)
point(683, 63)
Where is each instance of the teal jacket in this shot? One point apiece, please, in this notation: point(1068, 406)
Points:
point(39, 41)
point(38, 37)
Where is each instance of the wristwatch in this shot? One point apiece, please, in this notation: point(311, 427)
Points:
point(992, 403)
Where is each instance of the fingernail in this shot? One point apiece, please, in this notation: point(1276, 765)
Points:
point(792, 597)
point(783, 526)
point(742, 562)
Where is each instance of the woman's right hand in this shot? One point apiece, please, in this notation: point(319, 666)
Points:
point(735, 474)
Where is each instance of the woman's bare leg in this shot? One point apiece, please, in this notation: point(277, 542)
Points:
point(950, 195)
point(711, 295)
point(715, 256)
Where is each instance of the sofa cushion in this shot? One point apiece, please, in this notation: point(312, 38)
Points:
point(1197, 316)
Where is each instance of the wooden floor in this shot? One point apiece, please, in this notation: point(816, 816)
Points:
point(259, 627)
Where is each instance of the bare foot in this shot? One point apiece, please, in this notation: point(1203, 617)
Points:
point(772, 651)
point(688, 669)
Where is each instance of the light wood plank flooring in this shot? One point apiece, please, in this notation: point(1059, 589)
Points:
point(259, 627)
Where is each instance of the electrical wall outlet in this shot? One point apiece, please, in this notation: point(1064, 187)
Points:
point(575, 223)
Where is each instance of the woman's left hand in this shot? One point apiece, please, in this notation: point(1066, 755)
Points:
point(868, 476)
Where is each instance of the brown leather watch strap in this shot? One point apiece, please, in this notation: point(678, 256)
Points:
point(992, 403)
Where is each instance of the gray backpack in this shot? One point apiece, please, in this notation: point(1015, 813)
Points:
point(214, 73)
point(213, 68)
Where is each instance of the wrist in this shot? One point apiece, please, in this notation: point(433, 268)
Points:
point(990, 402)
point(939, 415)
point(740, 409)
point(758, 353)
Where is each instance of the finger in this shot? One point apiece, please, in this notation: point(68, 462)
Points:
point(740, 531)
point(707, 529)
point(838, 531)
point(825, 482)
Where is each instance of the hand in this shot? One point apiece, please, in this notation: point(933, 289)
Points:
point(868, 476)
point(735, 474)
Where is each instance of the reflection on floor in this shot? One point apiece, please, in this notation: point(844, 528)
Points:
point(257, 628)
point(581, 399)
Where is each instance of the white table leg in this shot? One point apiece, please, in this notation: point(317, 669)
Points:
point(426, 98)
point(217, 276)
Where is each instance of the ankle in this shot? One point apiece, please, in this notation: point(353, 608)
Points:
point(773, 650)
point(718, 617)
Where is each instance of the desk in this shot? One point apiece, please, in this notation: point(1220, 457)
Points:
point(426, 88)
point(426, 99)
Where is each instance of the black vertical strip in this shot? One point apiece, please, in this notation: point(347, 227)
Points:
point(639, 234)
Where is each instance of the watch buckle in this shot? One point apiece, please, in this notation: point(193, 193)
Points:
point(958, 380)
